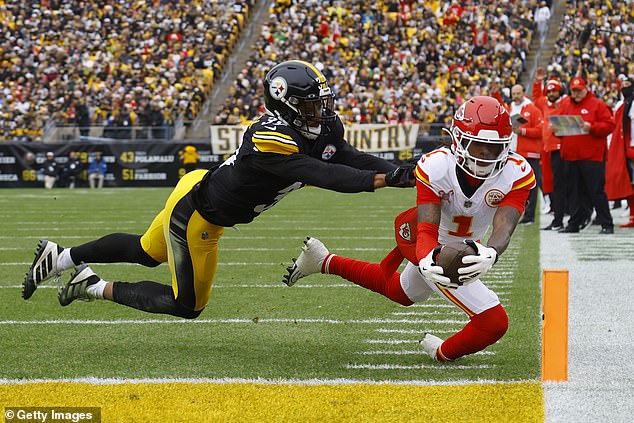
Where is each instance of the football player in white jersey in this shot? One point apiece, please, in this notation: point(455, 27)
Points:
point(461, 191)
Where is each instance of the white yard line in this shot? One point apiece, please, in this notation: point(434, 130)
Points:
point(222, 286)
point(223, 321)
point(414, 331)
point(432, 305)
point(428, 313)
point(419, 367)
point(391, 341)
point(410, 352)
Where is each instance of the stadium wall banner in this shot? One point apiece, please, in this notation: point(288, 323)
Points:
point(132, 164)
point(371, 138)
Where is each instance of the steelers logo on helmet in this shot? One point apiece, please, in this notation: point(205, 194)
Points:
point(278, 88)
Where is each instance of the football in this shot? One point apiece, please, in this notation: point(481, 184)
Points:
point(450, 258)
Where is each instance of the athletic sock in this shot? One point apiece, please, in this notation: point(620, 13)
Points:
point(96, 290)
point(64, 260)
point(482, 330)
point(370, 276)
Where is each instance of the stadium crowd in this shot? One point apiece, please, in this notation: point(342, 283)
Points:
point(114, 63)
point(438, 53)
point(147, 63)
point(595, 42)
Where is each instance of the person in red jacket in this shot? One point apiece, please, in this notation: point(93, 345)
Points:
point(584, 155)
point(547, 99)
point(620, 162)
point(528, 136)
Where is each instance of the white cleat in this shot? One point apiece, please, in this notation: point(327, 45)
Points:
point(44, 267)
point(310, 261)
point(431, 345)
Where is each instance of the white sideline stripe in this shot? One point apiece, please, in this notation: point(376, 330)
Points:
point(208, 321)
point(410, 352)
point(391, 341)
point(418, 367)
point(261, 381)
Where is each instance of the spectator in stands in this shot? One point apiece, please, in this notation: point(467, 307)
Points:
point(118, 50)
point(620, 160)
point(441, 52)
point(596, 35)
point(542, 16)
point(97, 171)
point(584, 156)
point(50, 169)
point(72, 169)
point(82, 118)
point(553, 170)
point(157, 120)
point(527, 136)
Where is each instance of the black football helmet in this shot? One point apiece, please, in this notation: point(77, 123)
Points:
point(298, 93)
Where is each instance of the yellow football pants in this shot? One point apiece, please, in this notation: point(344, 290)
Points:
point(180, 236)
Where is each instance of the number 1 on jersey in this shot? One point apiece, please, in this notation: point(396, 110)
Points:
point(463, 226)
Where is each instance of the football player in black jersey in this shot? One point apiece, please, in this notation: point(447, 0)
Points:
point(298, 141)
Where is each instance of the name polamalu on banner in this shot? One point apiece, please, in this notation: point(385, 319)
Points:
point(371, 138)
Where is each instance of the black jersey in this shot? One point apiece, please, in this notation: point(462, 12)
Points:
point(274, 160)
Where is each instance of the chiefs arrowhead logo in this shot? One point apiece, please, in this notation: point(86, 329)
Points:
point(493, 197)
point(405, 232)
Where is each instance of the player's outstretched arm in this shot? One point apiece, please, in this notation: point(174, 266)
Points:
point(504, 224)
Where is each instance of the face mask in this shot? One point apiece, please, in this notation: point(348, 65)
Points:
point(627, 91)
point(312, 133)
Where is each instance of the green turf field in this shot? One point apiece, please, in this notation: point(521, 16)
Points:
point(254, 326)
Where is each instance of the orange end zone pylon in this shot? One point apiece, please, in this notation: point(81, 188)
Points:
point(555, 325)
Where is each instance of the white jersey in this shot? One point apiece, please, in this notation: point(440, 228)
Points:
point(469, 217)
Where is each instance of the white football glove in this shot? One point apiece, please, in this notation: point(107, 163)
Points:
point(432, 273)
point(481, 262)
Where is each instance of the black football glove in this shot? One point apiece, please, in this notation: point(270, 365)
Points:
point(401, 177)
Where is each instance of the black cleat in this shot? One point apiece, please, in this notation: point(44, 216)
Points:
point(76, 288)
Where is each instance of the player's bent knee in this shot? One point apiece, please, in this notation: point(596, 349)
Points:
point(187, 313)
point(494, 322)
point(148, 261)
